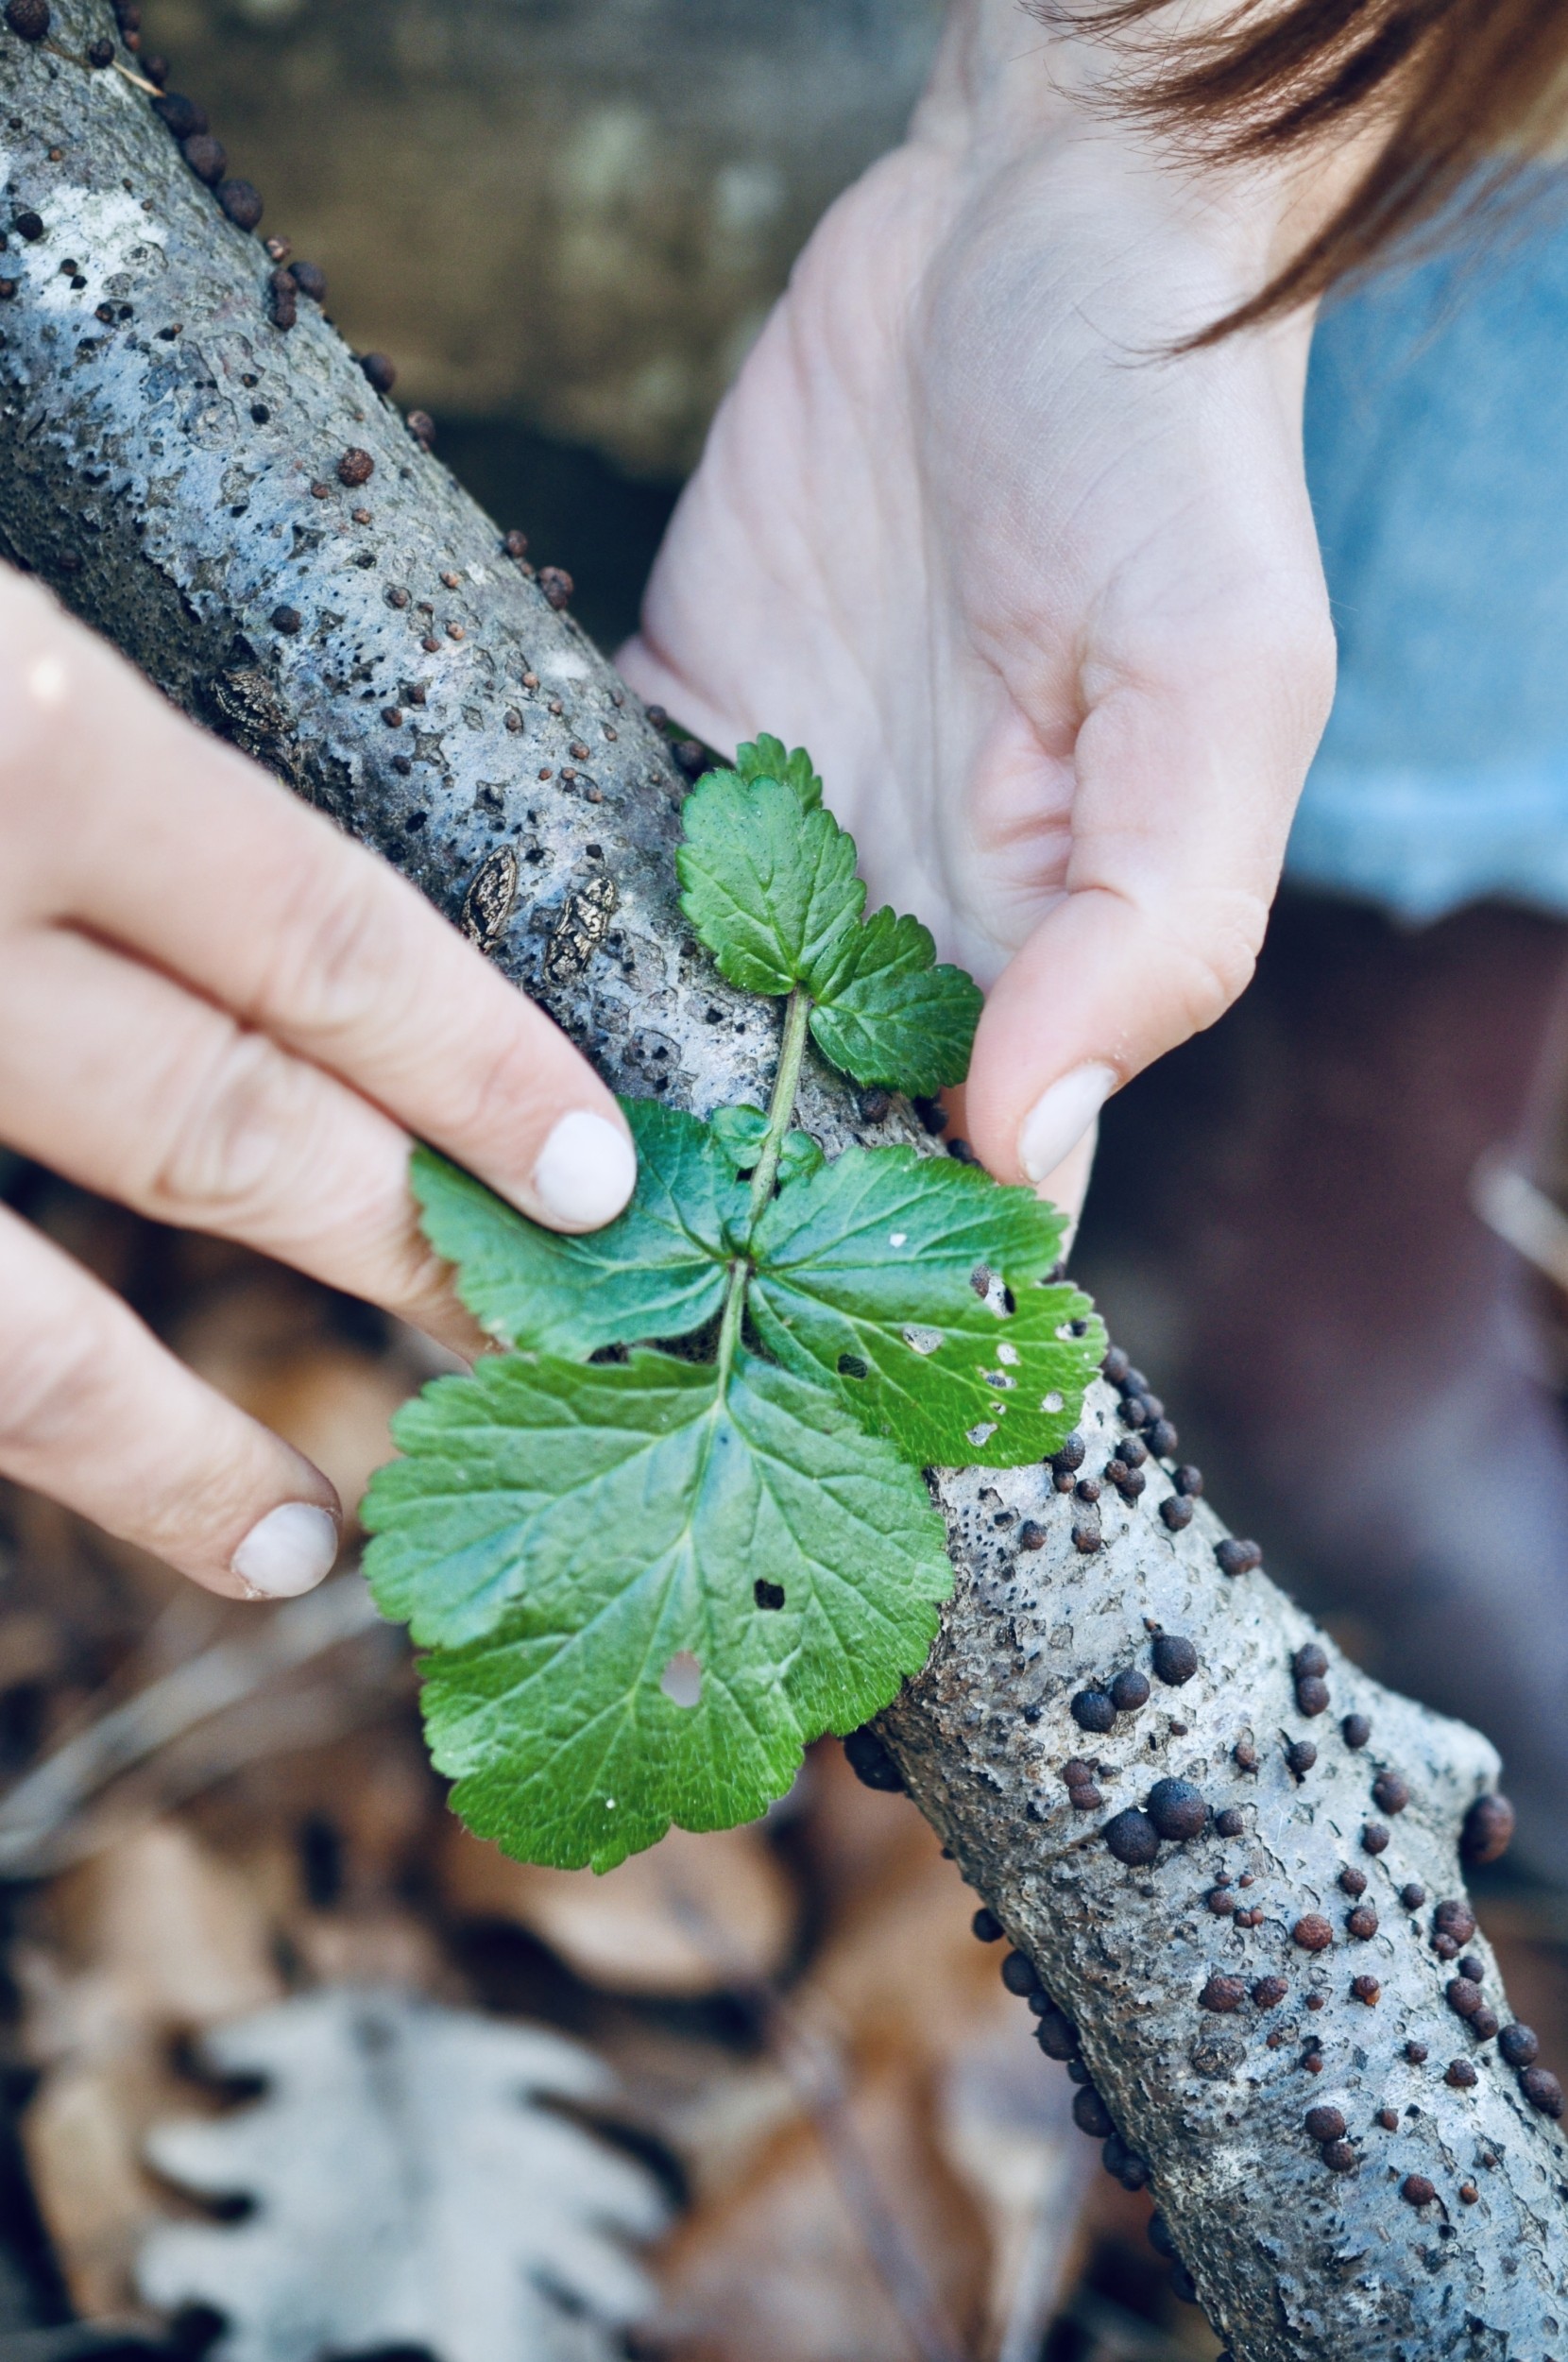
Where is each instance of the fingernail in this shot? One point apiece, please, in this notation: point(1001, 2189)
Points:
point(586, 1171)
point(288, 1552)
point(1058, 1121)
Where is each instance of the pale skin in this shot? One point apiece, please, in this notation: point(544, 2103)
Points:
point(1046, 610)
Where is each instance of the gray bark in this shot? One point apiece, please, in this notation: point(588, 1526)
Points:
point(137, 479)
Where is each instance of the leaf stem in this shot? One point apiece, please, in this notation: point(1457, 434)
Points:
point(782, 1107)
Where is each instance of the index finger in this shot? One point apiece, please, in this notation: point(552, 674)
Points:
point(214, 872)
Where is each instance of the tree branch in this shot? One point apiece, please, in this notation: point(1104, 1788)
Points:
point(175, 464)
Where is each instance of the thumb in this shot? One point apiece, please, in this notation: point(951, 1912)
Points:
point(1181, 806)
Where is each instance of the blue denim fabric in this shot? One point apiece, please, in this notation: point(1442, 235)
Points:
point(1436, 446)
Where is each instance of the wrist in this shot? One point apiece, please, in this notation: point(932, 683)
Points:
point(1008, 94)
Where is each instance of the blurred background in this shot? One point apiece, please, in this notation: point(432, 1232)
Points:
point(815, 2104)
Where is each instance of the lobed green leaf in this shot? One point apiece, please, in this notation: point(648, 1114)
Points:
point(658, 1270)
point(565, 1532)
point(763, 758)
point(890, 1274)
point(741, 1132)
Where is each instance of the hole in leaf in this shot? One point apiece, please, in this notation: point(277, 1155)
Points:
point(767, 1594)
point(923, 1340)
point(981, 1434)
point(850, 1365)
point(1051, 1402)
point(682, 1679)
point(1008, 1355)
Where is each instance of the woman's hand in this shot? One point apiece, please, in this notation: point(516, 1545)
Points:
point(220, 1011)
point(1044, 602)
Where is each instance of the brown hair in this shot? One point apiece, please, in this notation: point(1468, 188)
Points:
point(1468, 91)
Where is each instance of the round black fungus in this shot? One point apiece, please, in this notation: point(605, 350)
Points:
point(1019, 1974)
point(1163, 1438)
point(1069, 1456)
point(1390, 1792)
point(1366, 1989)
point(1157, 2231)
point(1086, 1537)
point(1030, 1537)
point(184, 118)
point(1183, 2285)
point(1374, 1838)
point(382, 373)
point(1484, 2025)
point(870, 1761)
point(1174, 1658)
point(1132, 1451)
point(1463, 1997)
point(311, 280)
point(1361, 1923)
point(1116, 1365)
point(1130, 1690)
point(1133, 1838)
point(1543, 2090)
point(1472, 1968)
point(1309, 1660)
point(286, 620)
point(1301, 1756)
point(282, 299)
point(1519, 2045)
point(1340, 2157)
point(1413, 1897)
point(1353, 1882)
point(100, 53)
point(1094, 1710)
point(1188, 1480)
point(987, 1926)
point(1454, 1918)
point(1463, 2075)
point(1175, 1513)
point(1416, 2053)
point(1270, 1991)
point(1312, 1933)
point(1228, 1822)
point(1355, 1730)
point(1090, 2113)
point(1415, 2190)
point(1056, 2034)
point(28, 225)
point(207, 157)
point(1237, 1557)
point(1312, 1694)
point(557, 586)
point(1488, 1830)
point(1222, 1994)
point(28, 19)
point(242, 201)
point(355, 468)
point(1177, 1809)
point(423, 427)
point(1087, 1490)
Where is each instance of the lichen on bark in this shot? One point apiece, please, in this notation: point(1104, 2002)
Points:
point(169, 464)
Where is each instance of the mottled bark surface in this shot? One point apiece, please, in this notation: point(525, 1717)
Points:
point(182, 491)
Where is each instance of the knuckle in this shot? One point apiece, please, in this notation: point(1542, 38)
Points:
point(236, 1137)
point(333, 960)
point(1214, 956)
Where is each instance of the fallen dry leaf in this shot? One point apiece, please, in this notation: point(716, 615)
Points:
point(693, 1914)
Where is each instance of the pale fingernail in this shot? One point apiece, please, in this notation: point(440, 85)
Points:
point(586, 1171)
point(1059, 1119)
point(289, 1551)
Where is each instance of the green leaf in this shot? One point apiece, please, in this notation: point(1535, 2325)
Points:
point(768, 881)
point(566, 1530)
point(867, 1273)
point(741, 1132)
point(885, 1013)
point(764, 757)
point(658, 1270)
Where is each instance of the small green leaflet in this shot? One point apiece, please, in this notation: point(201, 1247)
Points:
point(741, 1132)
point(574, 1536)
point(877, 1271)
point(658, 1270)
point(886, 1014)
point(769, 884)
point(764, 759)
